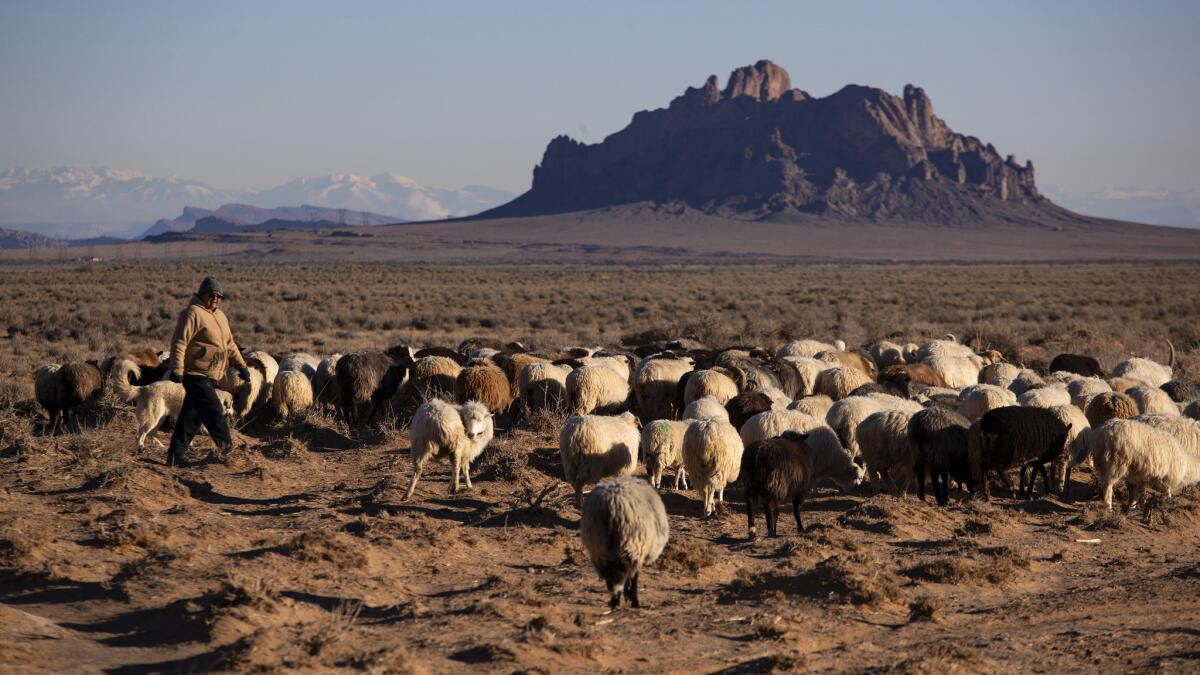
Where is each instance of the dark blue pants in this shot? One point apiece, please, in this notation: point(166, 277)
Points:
point(200, 406)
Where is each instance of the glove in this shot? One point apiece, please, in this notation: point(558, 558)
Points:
point(175, 377)
point(244, 373)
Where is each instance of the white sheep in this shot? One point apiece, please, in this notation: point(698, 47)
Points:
point(773, 423)
point(886, 353)
point(705, 408)
point(656, 382)
point(1077, 426)
point(291, 393)
point(798, 374)
point(712, 383)
point(1027, 380)
point(808, 348)
point(264, 362)
point(1142, 456)
point(886, 451)
point(324, 381)
point(817, 405)
point(712, 457)
point(845, 415)
point(247, 394)
point(1045, 397)
point(976, 400)
point(839, 381)
point(1000, 374)
point(956, 371)
point(1145, 370)
point(299, 363)
point(830, 459)
point(662, 449)
point(619, 364)
point(1152, 400)
point(595, 447)
point(624, 526)
point(943, 347)
point(597, 389)
point(542, 385)
point(1183, 429)
point(457, 433)
point(1083, 389)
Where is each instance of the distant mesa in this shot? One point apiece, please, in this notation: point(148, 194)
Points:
point(760, 147)
point(243, 217)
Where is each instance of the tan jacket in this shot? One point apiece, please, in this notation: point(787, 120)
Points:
point(203, 344)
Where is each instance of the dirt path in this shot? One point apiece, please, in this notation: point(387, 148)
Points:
point(298, 553)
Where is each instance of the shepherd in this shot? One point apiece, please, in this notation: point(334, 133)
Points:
point(201, 350)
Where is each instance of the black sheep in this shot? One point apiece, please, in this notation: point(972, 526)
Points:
point(939, 438)
point(1181, 392)
point(358, 377)
point(746, 405)
point(777, 471)
point(1078, 364)
point(1016, 436)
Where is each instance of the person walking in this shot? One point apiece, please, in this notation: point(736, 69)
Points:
point(201, 350)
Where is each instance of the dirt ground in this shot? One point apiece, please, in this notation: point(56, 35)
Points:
point(296, 553)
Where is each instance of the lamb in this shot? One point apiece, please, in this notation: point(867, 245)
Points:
point(543, 386)
point(299, 363)
point(1142, 456)
point(76, 382)
point(886, 451)
point(746, 405)
point(839, 381)
point(777, 471)
point(1016, 436)
point(358, 376)
point(851, 360)
point(1146, 371)
point(598, 389)
point(486, 384)
point(623, 527)
point(940, 443)
point(662, 449)
point(712, 457)
point(706, 407)
point(886, 353)
point(45, 390)
point(1078, 364)
point(1109, 405)
point(798, 375)
point(1152, 400)
point(976, 400)
point(817, 405)
point(808, 348)
point(845, 415)
point(443, 431)
point(655, 384)
point(718, 384)
point(291, 393)
point(326, 389)
point(1045, 397)
point(956, 371)
point(595, 447)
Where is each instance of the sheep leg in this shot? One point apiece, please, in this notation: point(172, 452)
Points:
point(418, 464)
point(942, 490)
point(1108, 492)
point(721, 494)
point(772, 510)
point(681, 477)
point(579, 496)
point(1046, 479)
point(1021, 486)
point(466, 469)
point(457, 470)
point(1006, 482)
point(750, 514)
point(614, 596)
point(796, 512)
point(631, 591)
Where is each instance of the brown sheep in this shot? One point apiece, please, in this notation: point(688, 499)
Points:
point(513, 365)
point(77, 382)
point(902, 377)
point(1110, 405)
point(486, 384)
point(429, 377)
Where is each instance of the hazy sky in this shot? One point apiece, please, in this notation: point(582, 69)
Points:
point(250, 94)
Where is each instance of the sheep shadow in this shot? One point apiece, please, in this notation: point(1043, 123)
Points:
point(204, 491)
point(367, 614)
point(183, 620)
point(35, 588)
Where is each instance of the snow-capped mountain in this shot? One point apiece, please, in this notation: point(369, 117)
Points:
point(82, 202)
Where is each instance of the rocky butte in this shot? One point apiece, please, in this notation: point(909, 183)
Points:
point(760, 147)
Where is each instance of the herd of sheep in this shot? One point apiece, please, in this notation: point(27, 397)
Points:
point(890, 415)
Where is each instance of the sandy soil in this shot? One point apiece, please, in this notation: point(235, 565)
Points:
point(296, 553)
